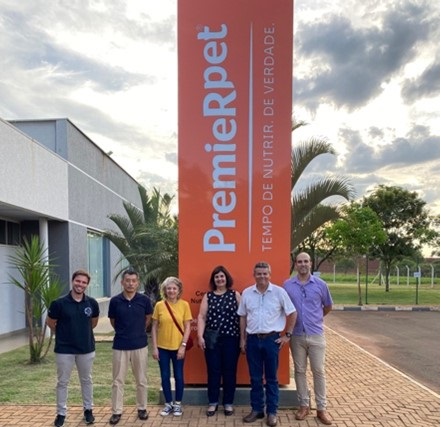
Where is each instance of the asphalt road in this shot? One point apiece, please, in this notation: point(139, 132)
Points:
point(408, 341)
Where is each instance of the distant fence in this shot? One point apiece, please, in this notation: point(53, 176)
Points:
point(427, 273)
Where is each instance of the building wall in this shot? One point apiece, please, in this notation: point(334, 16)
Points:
point(54, 173)
point(33, 178)
point(12, 297)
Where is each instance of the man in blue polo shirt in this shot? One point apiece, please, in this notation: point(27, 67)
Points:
point(72, 318)
point(313, 301)
point(130, 313)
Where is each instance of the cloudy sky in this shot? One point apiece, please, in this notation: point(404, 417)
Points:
point(366, 77)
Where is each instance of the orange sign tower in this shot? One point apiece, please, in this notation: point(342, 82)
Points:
point(235, 104)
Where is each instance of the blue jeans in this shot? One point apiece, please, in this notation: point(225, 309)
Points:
point(263, 362)
point(222, 367)
point(165, 357)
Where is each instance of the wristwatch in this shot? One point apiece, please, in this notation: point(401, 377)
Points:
point(288, 334)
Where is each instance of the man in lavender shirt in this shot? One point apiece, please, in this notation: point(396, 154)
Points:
point(313, 301)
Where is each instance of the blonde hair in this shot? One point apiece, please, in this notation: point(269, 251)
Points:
point(168, 281)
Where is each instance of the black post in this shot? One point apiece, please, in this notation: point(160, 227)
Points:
point(367, 270)
point(416, 287)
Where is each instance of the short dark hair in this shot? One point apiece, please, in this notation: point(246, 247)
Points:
point(81, 273)
point(262, 264)
point(219, 269)
point(129, 272)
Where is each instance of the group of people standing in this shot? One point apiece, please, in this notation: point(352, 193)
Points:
point(257, 323)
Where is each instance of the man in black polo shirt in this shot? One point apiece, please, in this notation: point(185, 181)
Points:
point(72, 318)
point(130, 313)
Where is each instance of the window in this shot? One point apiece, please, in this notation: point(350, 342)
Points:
point(13, 231)
point(2, 232)
point(9, 233)
point(98, 265)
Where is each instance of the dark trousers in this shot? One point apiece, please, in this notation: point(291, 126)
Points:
point(263, 362)
point(222, 368)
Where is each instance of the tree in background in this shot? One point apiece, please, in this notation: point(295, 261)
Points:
point(318, 246)
point(434, 219)
point(308, 212)
point(40, 286)
point(406, 221)
point(148, 239)
point(356, 233)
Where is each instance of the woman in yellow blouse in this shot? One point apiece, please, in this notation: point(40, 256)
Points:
point(169, 343)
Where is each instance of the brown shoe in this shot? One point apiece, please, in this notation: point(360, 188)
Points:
point(271, 420)
point(302, 413)
point(324, 417)
point(253, 416)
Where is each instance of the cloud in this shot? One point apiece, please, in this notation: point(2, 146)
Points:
point(366, 74)
point(418, 147)
point(425, 85)
point(348, 64)
point(172, 157)
point(81, 62)
point(39, 45)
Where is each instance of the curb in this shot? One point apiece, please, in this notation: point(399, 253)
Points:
point(383, 308)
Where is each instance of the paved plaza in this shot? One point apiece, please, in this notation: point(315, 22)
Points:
point(362, 391)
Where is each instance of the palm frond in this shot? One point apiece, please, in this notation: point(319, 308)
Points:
point(316, 193)
point(316, 217)
point(148, 238)
point(304, 153)
point(308, 211)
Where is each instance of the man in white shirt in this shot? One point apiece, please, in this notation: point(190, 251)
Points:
point(265, 311)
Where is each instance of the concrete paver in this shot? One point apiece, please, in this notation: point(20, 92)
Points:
point(362, 391)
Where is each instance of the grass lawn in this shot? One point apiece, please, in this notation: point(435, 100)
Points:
point(347, 293)
point(22, 383)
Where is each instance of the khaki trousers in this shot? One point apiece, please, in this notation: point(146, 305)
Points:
point(121, 359)
point(312, 347)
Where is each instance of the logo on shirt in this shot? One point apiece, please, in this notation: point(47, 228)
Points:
point(88, 311)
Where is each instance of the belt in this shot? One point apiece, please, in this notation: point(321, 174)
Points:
point(263, 336)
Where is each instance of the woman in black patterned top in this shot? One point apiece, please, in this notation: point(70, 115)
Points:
point(218, 312)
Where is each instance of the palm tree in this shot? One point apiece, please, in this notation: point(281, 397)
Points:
point(40, 286)
point(308, 212)
point(148, 239)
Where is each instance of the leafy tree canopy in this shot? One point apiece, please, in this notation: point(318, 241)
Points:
point(357, 231)
point(406, 221)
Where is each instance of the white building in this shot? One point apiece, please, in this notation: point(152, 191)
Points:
point(56, 183)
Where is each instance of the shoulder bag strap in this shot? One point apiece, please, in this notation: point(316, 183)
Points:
point(173, 317)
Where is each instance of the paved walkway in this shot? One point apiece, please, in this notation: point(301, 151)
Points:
point(362, 391)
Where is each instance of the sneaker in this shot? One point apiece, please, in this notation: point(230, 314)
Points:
point(88, 416)
point(59, 421)
point(177, 410)
point(142, 414)
point(168, 409)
